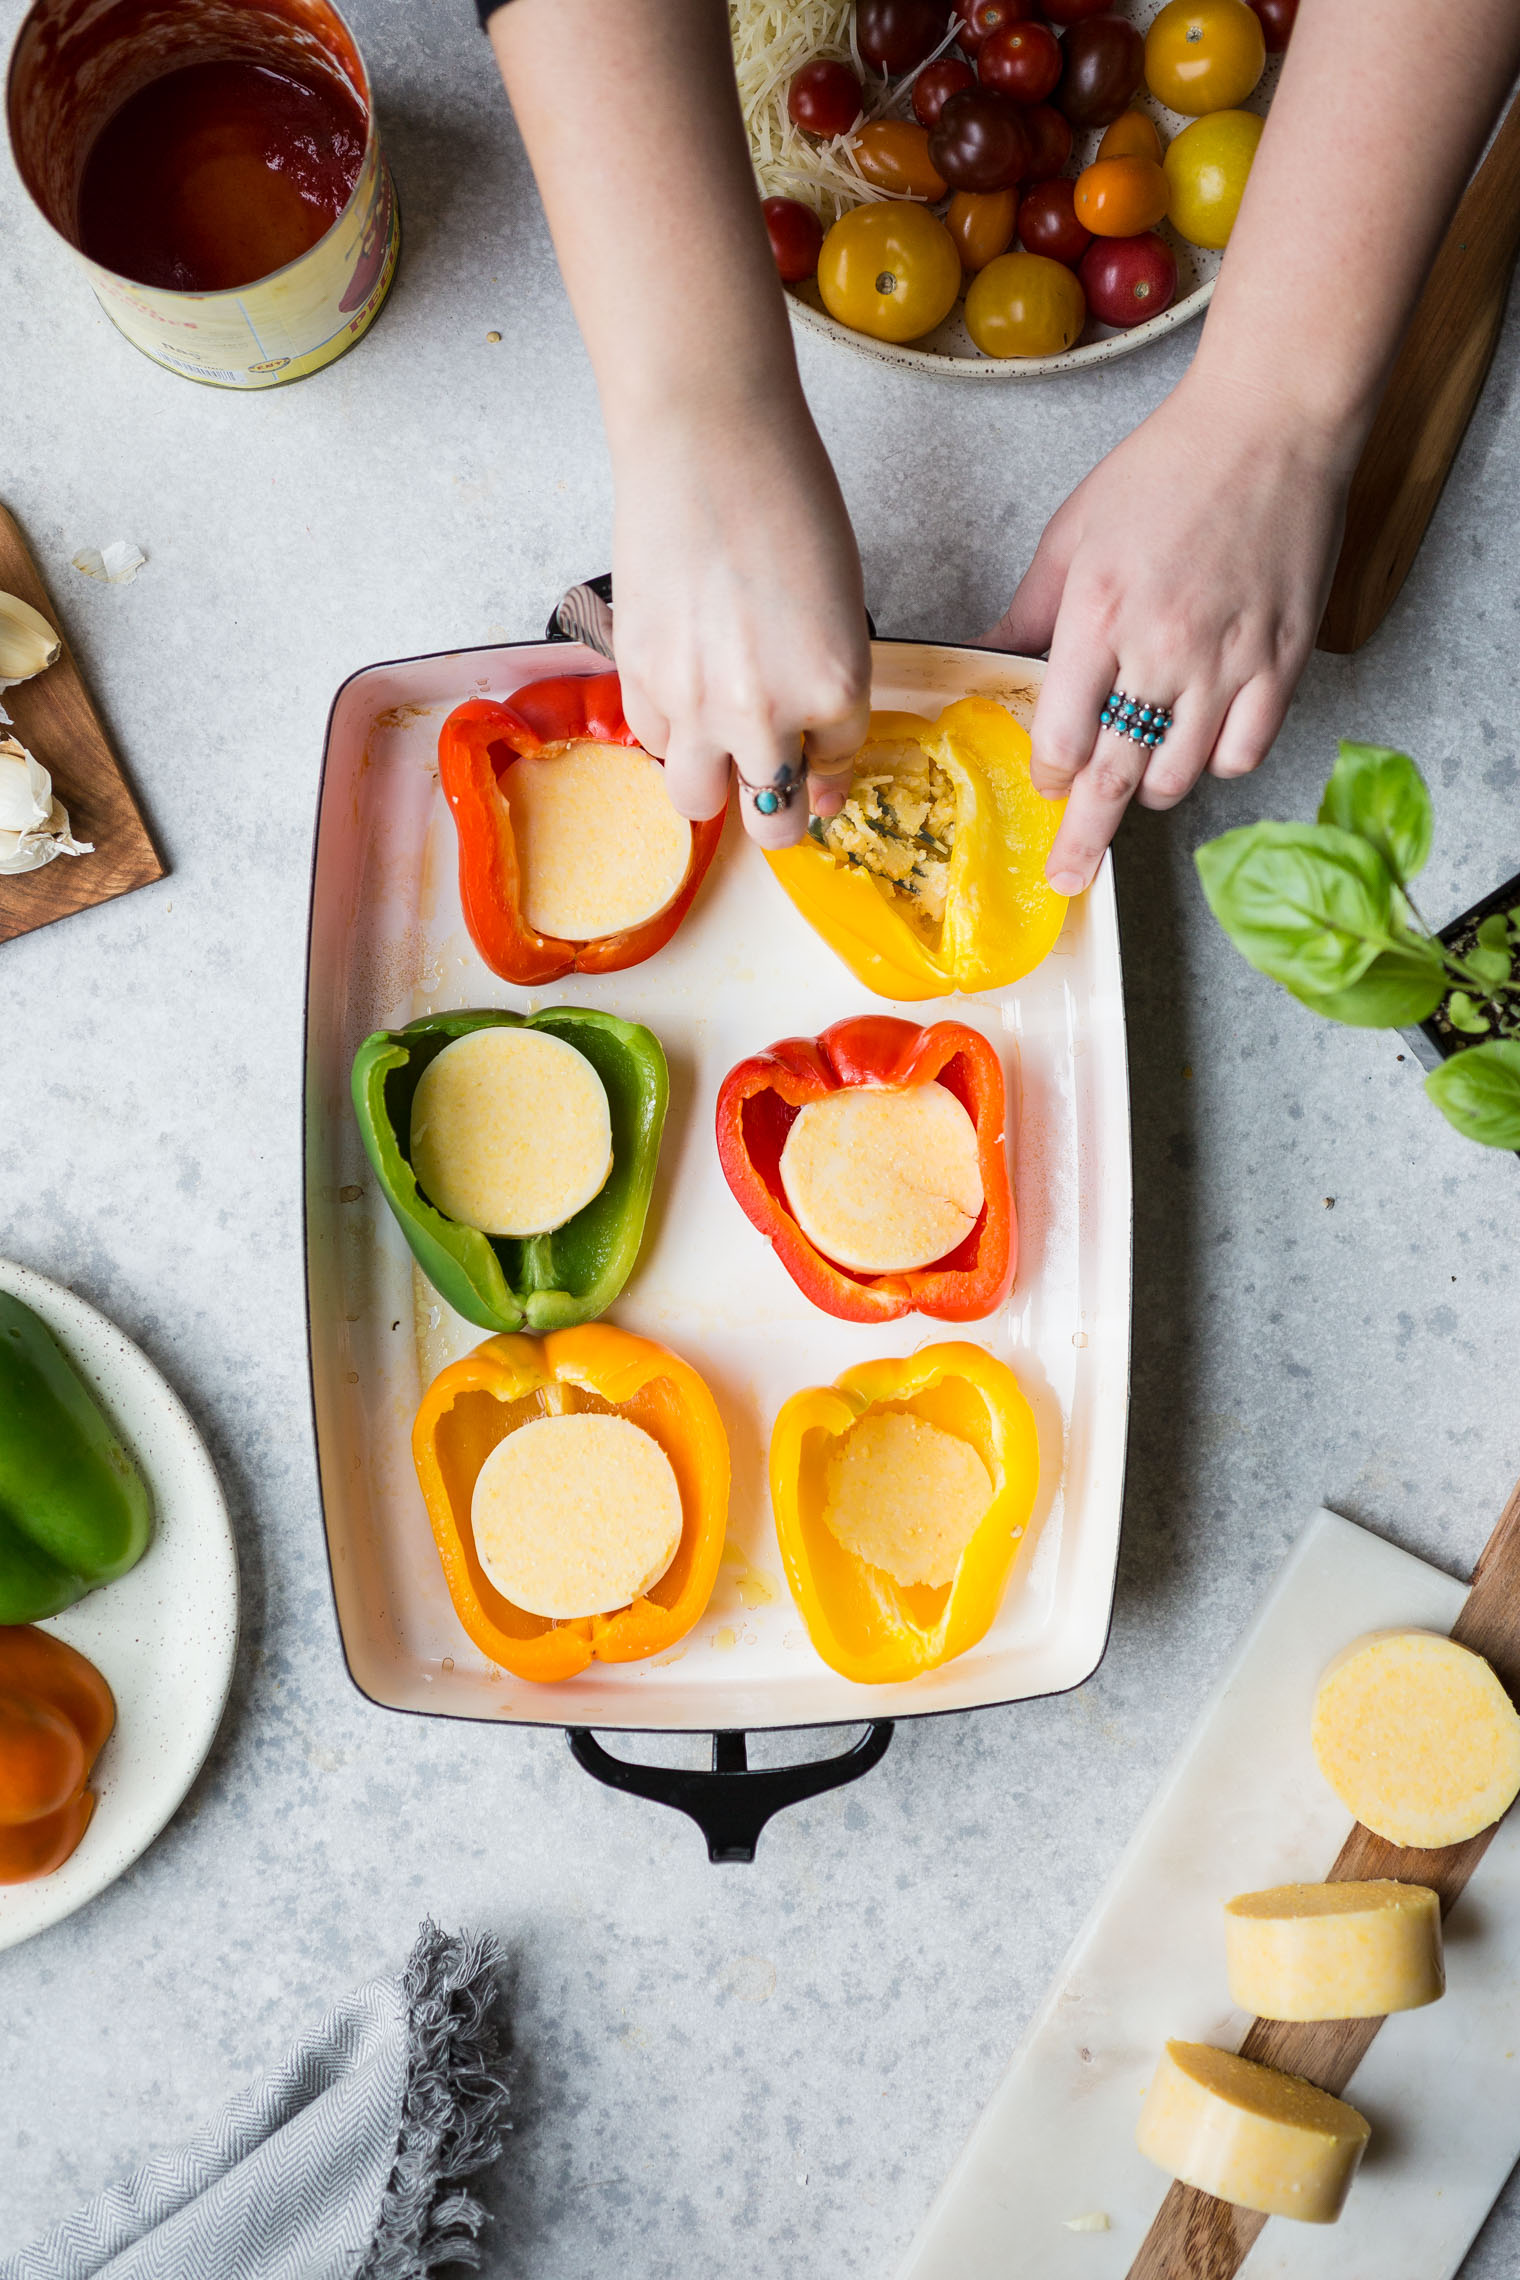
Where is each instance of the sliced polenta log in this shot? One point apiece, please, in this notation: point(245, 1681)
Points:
point(1334, 1951)
point(600, 847)
point(905, 1496)
point(576, 1515)
point(1417, 1738)
point(1248, 2134)
point(511, 1132)
point(884, 1178)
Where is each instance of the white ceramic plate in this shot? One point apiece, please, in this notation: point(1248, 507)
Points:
point(164, 1637)
point(388, 943)
point(949, 352)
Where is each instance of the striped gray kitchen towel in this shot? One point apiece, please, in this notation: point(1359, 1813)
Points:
point(345, 2163)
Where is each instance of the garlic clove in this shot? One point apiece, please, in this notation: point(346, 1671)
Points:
point(28, 643)
point(34, 826)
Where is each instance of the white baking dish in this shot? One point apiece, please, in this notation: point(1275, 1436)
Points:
point(388, 943)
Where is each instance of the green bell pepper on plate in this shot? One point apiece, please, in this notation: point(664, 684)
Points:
point(532, 1282)
point(75, 1511)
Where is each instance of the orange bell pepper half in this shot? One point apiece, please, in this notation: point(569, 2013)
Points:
point(509, 1381)
point(863, 1622)
point(476, 745)
point(56, 1712)
point(758, 1103)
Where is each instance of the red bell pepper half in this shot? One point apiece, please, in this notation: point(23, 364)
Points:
point(758, 1102)
point(477, 744)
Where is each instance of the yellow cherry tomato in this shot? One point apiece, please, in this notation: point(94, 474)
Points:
point(1024, 304)
point(891, 271)
point(1134, 134)
point(1204, 55)
point(893, 154)
point(1207, 167)
point(1120, 197)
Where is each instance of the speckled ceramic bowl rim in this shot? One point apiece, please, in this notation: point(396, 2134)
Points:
point(182, 1595)
point(941, 366)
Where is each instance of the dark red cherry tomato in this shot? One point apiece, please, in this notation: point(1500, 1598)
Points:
point(1064, 12)
point(1277, 20)
point(1023, 62)
point(1049, 138)
point(980, 18)
point(1103, 65)
point(1047, 223)
point(796, 236)
point(979, 143)
point(1129, 279)
point(894, 36)
point(824, 98)
point(935, 85)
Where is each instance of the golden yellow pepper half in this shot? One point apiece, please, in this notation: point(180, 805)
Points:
point(864, 1623)
point(1000, 917)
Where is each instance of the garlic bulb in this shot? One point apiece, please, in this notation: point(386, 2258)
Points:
point(27, 642)
point(34, 827)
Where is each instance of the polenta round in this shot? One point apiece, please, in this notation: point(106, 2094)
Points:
point(883, 1178)
point(511, 1131)
point(576, 1515)
point(600, 848)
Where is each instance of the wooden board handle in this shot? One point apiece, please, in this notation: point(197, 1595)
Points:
point(1194, 2236)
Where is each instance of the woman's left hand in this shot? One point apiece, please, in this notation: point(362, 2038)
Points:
point(1190, 570)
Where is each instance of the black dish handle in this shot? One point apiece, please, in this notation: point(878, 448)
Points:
point(601, 586)
point(731, 1805)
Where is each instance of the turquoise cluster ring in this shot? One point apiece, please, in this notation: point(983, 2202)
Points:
point(1140, 722)
point(771, 798)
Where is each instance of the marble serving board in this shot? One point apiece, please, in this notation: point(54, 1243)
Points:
point(1244, 1807)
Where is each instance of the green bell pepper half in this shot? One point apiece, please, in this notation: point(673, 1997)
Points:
point(531, 1282)
point(75, 1511)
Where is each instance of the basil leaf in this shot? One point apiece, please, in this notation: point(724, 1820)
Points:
point(1400, 987)
point(1478, 1090)
point(1494, 932)
point(1381, 794)
point(1490, 965)
point(1307, 903)
point(1465, 1014)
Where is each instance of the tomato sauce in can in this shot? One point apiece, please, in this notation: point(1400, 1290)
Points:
point(215, 166)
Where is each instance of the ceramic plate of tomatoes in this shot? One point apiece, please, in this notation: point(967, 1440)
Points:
point(1043, 184)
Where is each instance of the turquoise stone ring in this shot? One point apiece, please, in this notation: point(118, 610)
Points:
point(1130, 716)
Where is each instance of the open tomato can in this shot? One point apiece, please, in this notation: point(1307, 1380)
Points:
point(216, 169)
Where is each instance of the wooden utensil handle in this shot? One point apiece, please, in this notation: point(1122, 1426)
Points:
point(1196, 2237)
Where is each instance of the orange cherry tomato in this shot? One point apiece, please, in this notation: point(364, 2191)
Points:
point(1133, 135)
point(1121, 197)
point(893, 154)
point(1024, 304)
point(1204, 55)
point(981, 223)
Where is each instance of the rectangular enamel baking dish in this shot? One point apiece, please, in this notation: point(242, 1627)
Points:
point(388, 943)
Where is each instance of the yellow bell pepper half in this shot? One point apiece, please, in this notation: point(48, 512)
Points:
point(863, 1622)
point(1000, 916)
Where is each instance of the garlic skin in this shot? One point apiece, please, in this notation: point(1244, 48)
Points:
point(116, 564)
point(34, 827)
point(28, 643)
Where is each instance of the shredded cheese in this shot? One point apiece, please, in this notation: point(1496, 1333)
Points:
point(773, 39)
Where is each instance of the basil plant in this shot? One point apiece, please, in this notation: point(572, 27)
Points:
point(1325, 908)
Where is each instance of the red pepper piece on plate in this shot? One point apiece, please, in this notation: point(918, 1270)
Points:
point(477, 744)
point(758, 1103)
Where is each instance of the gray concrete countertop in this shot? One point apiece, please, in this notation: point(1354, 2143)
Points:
point(765, 2069)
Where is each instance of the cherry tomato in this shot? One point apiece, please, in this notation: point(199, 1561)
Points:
point(1023, 305)
point(890, 270)
point(981, 223)
point(1207, 167)
point(1048, 223)
point(1064, 12)
point(824, 98)
point(1120, 197)
point(935, 85)
point(1133, 135)
point(1023, 62)
point(895, 35)
point(1204, 55)
point(980, 18)
point(1049, 138)
point(1277, 18)
point(1129, 279)
point(893, 154)
point(1103, 63)
point(796, 235)
point(979, 143)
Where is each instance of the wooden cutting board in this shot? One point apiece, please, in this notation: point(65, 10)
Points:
point(54, 718)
